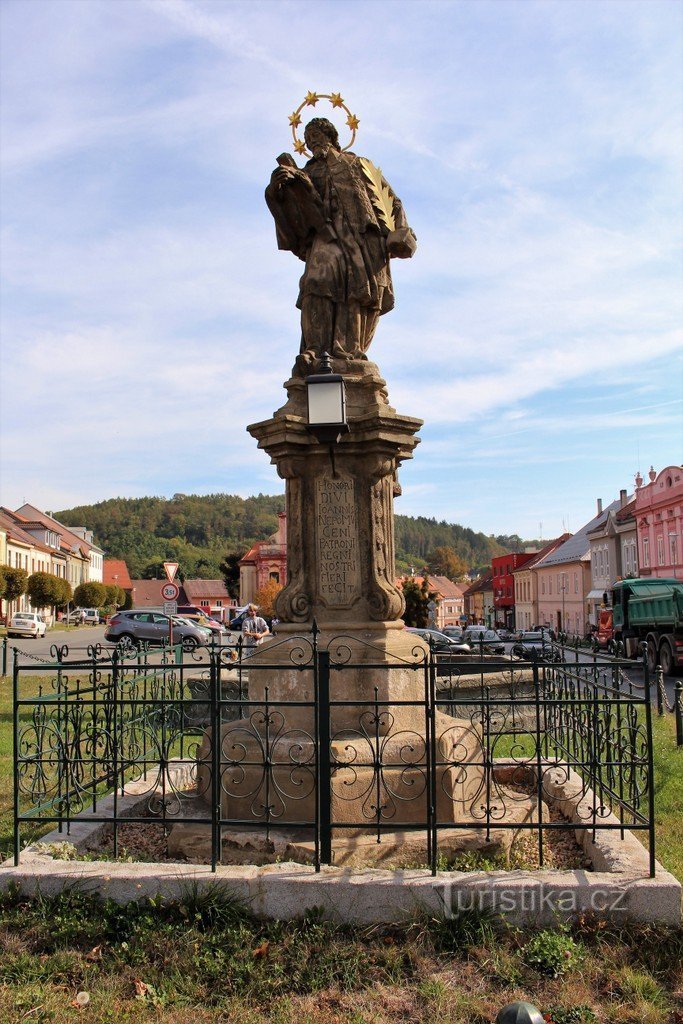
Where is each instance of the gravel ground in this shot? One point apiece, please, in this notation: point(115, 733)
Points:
point(147, 843)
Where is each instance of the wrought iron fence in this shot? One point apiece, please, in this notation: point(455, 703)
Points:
point(329, 744)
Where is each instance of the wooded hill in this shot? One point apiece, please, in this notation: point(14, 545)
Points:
point(201, 531)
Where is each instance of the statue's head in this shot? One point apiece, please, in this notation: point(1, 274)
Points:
point(320, 134)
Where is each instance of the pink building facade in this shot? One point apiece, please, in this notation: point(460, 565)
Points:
point(659, 523)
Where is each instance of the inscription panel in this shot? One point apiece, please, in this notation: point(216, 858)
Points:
point(337, 541)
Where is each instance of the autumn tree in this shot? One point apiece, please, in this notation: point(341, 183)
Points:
point(444, 561)
point(265, 598)
point(417, 597)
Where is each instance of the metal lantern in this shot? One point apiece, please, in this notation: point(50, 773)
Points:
point(326, 404)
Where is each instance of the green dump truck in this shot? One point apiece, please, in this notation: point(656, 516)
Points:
point(650, 611)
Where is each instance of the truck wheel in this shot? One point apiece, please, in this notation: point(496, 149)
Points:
point(666, 658)
point(652, 658)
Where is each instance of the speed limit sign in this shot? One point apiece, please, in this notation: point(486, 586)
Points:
point(170, 591)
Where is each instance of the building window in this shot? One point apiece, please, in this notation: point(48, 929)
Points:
point(543, 585)
point(660, 551)
point(550, 584)
point(576, 582)
point(646, 551)
point(672, 550)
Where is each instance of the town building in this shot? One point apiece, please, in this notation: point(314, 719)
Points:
point(84, 559)
point(210, 596)
point(502, 569)
point(265, 560)
point(479, 600)
point(659, 523)
point(613, 555)
point(115, 573)
point(526, 586)
point(564, 580)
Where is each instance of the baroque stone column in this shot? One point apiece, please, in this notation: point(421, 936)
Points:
point(340, 538)
point(340, 525)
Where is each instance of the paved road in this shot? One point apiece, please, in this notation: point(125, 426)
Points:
point(79, 638)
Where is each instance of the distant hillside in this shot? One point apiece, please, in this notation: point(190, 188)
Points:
point(199, 531)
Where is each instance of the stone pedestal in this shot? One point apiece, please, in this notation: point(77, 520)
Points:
point(341, 576)
point(340, 522)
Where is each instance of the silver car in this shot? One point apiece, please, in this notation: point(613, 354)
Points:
point(136, 627)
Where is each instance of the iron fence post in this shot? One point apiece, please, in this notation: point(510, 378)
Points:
point(216, 718)
point(324, 754)
point(15, 752)
point(659, 676)
point(4, 655)
point(650, 765)
point(678, 705)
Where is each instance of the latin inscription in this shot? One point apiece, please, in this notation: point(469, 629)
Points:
point(337, 541)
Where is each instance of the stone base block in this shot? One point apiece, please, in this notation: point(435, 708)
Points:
point(398, 849)
point(267, 771)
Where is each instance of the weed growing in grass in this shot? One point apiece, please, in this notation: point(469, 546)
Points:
point(552, 952)
point(570, 1015)
point(471, 927)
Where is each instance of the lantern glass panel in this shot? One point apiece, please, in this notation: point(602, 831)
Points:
point(326, 403)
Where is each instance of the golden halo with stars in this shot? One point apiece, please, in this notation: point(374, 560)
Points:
point(310, 100)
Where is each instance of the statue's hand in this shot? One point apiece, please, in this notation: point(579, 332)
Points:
point(401, 243)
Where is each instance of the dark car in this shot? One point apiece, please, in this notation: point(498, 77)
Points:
point(528, 644)
point(448, 652)
point(454, 632)
point(133, 628)
point(486, 642)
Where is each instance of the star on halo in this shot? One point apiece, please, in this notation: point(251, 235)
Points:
point(311, 99)
point(300, 146)
point(352, 122)
point(336, 100)
point(295, 119)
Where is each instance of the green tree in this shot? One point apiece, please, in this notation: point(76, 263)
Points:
point(230, 571)
point(3, 583)
point(65, 593)
point(90, 595)
point(16, 581)
point(443, 561)
point(115, 595)
point(45, 589)
point(417, 596)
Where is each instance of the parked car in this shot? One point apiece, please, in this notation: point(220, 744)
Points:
point(454, 632)
point(530, 643)
point(74, 617)
point(506, 634)
point(27, 624)
point(90, 616)
point(449, 653)
point(486, 642)
point(201, 619)
point(135, 627)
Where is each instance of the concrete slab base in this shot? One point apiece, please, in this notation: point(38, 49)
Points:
point(619, 889)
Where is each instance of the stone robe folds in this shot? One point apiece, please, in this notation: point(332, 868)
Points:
point(326, 217)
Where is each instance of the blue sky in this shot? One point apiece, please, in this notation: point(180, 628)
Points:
point(147, 316)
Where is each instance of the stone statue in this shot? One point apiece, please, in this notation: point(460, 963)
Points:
point(343, 220)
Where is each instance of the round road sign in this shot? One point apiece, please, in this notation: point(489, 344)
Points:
point(170, 591)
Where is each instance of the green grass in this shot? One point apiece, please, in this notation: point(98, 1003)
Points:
point(668, 762)
point(205, 959)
